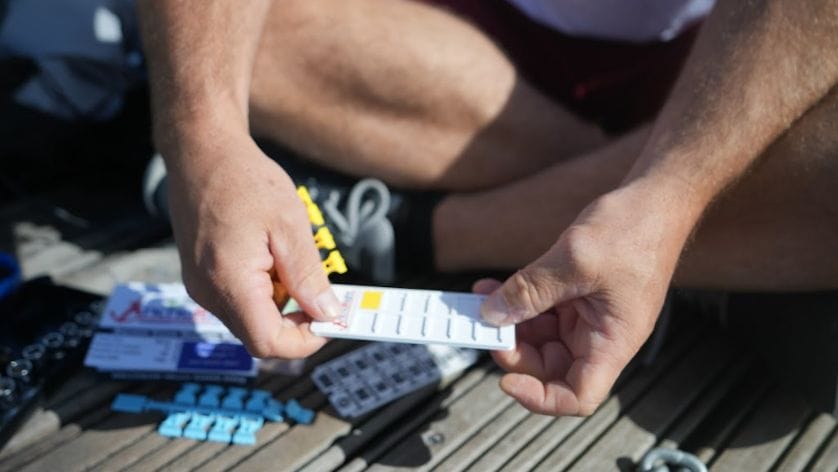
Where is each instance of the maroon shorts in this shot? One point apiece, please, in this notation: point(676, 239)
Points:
point(613, 83)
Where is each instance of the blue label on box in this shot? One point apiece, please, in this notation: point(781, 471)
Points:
point(214, 356)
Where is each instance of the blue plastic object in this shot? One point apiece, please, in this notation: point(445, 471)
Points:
point(188, 394)
point(211, 412)
point(235, 398)
point(246, 434)
point(173, 425)
point(9, 274)
point(298, 413)
point(198, 426)
point(211, 395)
point(222, 430)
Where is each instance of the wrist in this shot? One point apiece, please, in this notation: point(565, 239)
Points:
point(667, 206)
point(189, 121)
point(184, 140)
point(672, 180)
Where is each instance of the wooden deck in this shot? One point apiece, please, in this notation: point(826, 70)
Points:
point(704, 393)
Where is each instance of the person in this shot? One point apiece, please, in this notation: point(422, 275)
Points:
point(726, 181)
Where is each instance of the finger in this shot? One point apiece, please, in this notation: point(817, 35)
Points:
point(527, 293)
point(301, 271)
point(548, 398)
point(592, 381)
point(253, 316)
point(524, 359)
point(485, 286)
point(550, 361)
point(539, 330)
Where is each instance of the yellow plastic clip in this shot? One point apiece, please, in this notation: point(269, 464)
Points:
point(314, 215)
point(302, 191)
point(334, 263)
point(323, 238)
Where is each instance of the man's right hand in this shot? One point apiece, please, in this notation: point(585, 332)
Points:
point(237, 219)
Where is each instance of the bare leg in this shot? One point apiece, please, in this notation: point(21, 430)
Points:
point(775, 229)
point(405, 92)
point(511, 225)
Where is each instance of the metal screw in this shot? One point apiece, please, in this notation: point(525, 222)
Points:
point(85, 318)
point(53, 340)
point(34, 353)
point(7, 392)
point(20, 369)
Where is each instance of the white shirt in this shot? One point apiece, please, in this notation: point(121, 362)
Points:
point(622, 20)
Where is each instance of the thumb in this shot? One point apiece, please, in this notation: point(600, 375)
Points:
point(301, 271)
point(527, 293)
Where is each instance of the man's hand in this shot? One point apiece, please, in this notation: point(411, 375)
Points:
point(586, 306)
point(237, 219)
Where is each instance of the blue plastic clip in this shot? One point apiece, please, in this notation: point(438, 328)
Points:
point(172, 426)
point(273, 411)
point(298, 413)
point(211, 396)
point(246, 434)
point(188, 394)
point(234, 399)
point(258, 400)
point(128, 403)
point(9, 274)
point(222, 430)
point(198, 426)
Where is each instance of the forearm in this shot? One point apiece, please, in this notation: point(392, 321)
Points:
point(200, 57)
point(756, 67)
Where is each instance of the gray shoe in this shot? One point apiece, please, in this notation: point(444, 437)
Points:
point(361, 228)
point(155, 193)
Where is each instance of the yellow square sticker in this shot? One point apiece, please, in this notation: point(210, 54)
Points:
point(371, 300)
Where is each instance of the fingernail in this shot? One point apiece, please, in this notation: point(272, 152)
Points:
point(495, 310)
point(328, 304)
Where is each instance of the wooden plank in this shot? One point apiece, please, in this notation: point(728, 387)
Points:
point(827, 460)
point(807, 444)
point(766, 434)
point(640, 425)
point(98, 439)
point(227, 458)
point(92, 412)
point(125, 457)
point(159, 458)
point(231, 456)
point(40, 424)
point(55, 440)
point(413, 405)
point(152, 265)
point(47, 422)
point(306, 441)
point(435, 440)
point(477, 446)
point(572, 435)
point(95, 443)
point(706, 404)
point(523, 434)
point(405, 426)
point(197, 456)
point(83, 380)
point(731, 417)
point(46, 244)
point(58, 259)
